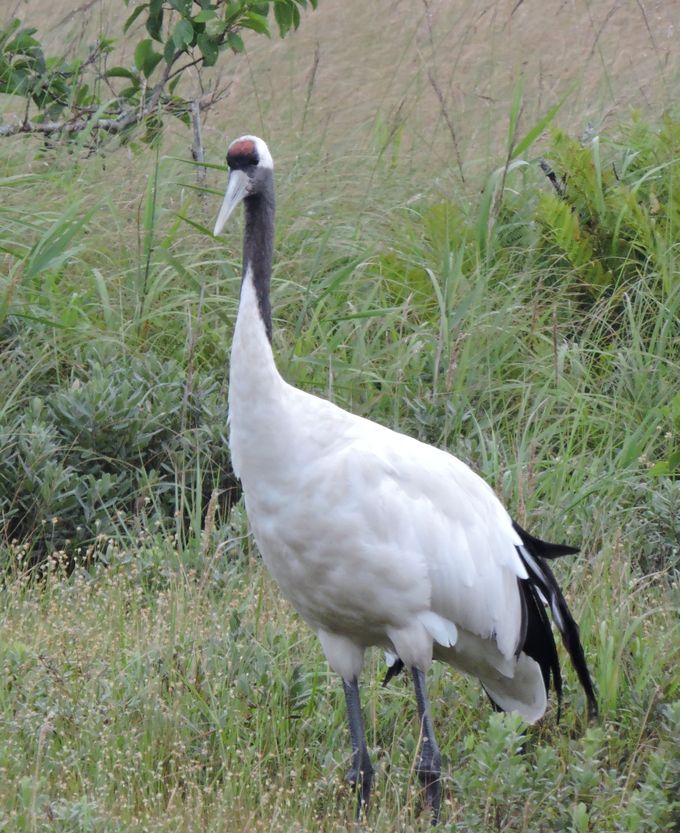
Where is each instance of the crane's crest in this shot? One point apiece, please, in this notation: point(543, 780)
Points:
point(249, 150)
point(242, 151)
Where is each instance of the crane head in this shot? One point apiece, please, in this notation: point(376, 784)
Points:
point(250, 166)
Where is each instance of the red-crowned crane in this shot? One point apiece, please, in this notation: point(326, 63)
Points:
point(378, 539)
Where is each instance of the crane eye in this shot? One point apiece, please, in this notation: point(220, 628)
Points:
point(242, 161)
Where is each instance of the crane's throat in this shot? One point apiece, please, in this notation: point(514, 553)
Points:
point(254, 383)
point(258, 249)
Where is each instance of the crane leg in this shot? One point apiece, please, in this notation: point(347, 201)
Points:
point(428, 765)
point(360, 775)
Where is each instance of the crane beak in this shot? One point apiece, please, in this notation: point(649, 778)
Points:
point(237, 189)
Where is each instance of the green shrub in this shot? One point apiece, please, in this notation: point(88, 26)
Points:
point(611, 216)
point(616, 215)
point(125, 443)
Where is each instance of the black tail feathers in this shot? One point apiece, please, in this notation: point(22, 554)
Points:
point(539, 643)
point(542, 548)
point(393, 670)
point(537, 640)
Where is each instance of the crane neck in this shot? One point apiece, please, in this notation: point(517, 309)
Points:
point(255, 386)
point(258, 248)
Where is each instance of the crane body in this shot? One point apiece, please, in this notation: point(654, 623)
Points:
point(376, 538)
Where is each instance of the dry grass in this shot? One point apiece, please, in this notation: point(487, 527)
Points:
point(382, 70)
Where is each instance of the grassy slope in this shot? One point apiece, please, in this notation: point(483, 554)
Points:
point(174, 690)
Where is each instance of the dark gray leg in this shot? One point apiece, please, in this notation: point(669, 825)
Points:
point(360, 775)
point(429, 761)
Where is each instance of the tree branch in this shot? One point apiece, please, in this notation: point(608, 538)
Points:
point(108, 125)
point(558, 184)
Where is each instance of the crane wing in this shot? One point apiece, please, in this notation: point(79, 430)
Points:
point(368, 530)
point(433, 509)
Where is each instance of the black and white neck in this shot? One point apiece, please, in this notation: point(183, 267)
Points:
point(258, 247)
point(251, 180)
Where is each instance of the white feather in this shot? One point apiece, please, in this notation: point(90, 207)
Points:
point(390, 658)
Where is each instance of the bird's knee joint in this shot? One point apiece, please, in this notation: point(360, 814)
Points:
point(429, 764)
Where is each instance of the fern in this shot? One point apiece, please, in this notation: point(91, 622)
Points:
point(563, 234)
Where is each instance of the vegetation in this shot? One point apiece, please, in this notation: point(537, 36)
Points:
point(151, 678)
point(87, 100)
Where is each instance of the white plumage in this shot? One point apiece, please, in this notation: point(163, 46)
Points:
point(377, 539)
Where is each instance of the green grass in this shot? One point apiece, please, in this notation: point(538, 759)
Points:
point(151, 676)
point(141, 696)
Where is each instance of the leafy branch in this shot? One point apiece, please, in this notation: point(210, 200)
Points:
point(64, 98)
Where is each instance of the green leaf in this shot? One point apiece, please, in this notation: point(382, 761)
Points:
point(674, 411)
point(24, 42)
point(169, 51)
point(182, 6)
point(82, 95)
point(104, 299)
point(183, 116)
point(51, 251)
point(154, 22)
point(183, 34)
point(516, 108)
point(209, 50)
point(204, 16)
point(154, 128)
point(152, 63)
point(216, 28)
point(146, 58)
point(235, 41)
point(369, 313)
point(135, 14)
point(203, 229)
point(130, 93)
point(526, 141)
point(256, 22)
point(7, 33)
point(106, 44)
point(15, 83)
point(143, 49)
point(121, 72)
point(284, 16)
point(213, 166)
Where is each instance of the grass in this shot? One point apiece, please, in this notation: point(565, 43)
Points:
point(204, 698)
point(151, 676)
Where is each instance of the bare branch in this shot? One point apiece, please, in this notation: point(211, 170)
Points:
point(310, 84)
point(449, 123)
point(69, 17)
point(184, 67)
point(197, 148)
point(558, 184)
